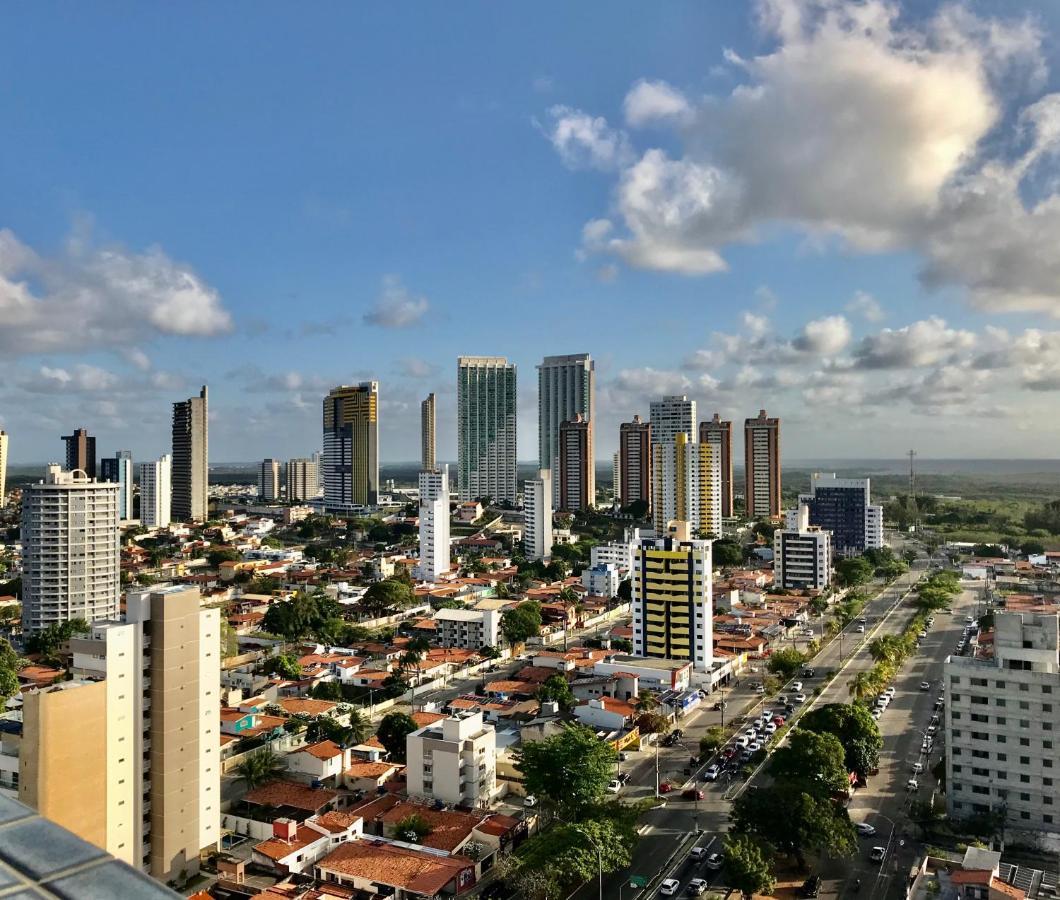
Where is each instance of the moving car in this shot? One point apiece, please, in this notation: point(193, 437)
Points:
point(778, 720)
point(799, 698)
point(877, 854)
point(860, 629)
point(696, 887)
point(810, 886)
point(669, 887)
point(865, 829)
point(529, 800)
point(969, 619)
point(693, 794)
point(728, 753)
point(665, 787)
point(918, 768)
point(715, 861)
point(807, 672)
point(796, 685)
point(925, 685)
point(912, 785)
point(698, 852)
point(760, 689)
point(712, 773)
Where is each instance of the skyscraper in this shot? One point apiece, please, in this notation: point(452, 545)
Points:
point(687, 486)
point(3, 467)
point(577, 488)
point(434, 523)
point(565, 388)
point(269, 479)
point(427, 434)
point(844, 507)
point(537, 513)
point(303, 480)
point(351, 446)
point(486, 405)
point(156, 492)
point(673, 597)
point(616, 475)
point(719, 434)
point(119, 469)
point(672, 416)
point(81, 452)
point(762, 466)
point(634, 455)
point(191, 455)
point(70, 550)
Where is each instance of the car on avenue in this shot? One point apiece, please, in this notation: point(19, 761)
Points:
point(696, 887)
point(712, 773)
point(669, 887)
point(865, 829)
point(877, 854)
point(715, 861)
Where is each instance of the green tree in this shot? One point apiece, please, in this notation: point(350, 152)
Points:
point(817, 761)
point(383, 597)
point(819, 605)
point(786, 662)
point(570, 850)
point(285, 665)
point(260, 767)
point(219, 555)
point(395, 727)
point(47, 642)
point(521, 623)
point(855, 729)
point(853, 571)
point(413, 828)
point(557, 689)
point(711, 740)
point(1032, 547)
point(727, 554)
point(568, 771)
point(749, 865)
point(625, 590)
point(652, 723)
point(862, 686)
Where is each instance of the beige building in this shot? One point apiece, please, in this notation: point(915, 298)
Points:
point(428, 461)
point(453, 760)
point(3, 467)
point(269, 479)
point(351, 446)
point(303, 480)
point(191, 454)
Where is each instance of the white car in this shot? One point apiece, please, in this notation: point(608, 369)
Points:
point(697, 886)
point(614, 786)
point(865, 829)
point(771, 728)
point(878, 853)
point(931, 729)
point(711, 774)
point(755, 746)
point(861, 629)
point(890, 692)
point(918, 768)
point(529, 800)
point(669, 887)
point(715, 861)
point(969, 619)
point(925, 685)
point(799, 698)
point(876, 713)
point(760, 689)
point(912, 785)
point(742, 741)
point(796, 685)
point(698, 852)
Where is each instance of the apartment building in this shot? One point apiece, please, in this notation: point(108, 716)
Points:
point(1001, 726)
point(619, 553)
point(762, 466)
point(80, 452)
point(634, 459)
point(269, 480)
point(844, 507)
point(602, 580)
point(672, 416)
point(486, 419)
point(719, 434)
point(70, 550)
point(303, 480)
point(687, 485)
point(672, 598)
point(537, 513)
point(468, 629)
point(453, 760)
point(119, 469)
point(434, 524)
point(350, 467)
point(3, 467)
point(616, 475)
point(191, 455)
point(566, 388)
point(802, 554)
point(427, 433)
point(577, 468)
point(156, 492)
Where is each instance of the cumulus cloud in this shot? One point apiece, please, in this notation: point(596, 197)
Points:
point(922, 343)
point(865, 305)
point(80, 379)
point(396, 307)
point(654, 101)
point(824, 337)
point(586, 142)
point(88, 297)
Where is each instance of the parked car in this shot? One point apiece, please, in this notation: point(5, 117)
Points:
point(693, 794)
point(669, 887)
point(529, 800)
point(760, 689)
point(754, 746)
point(891, 691)
point(614, 786)
point(746, 755)
point(715, 861)
point(796, 685)
point(860, 629)
point(810, 886)
point(877, 854)
point(728, 753)
point(918, 768)
point(771, 728)
point(807, 672)
point(865, 829)
point(712, 773)
point(778, 720)
point(799, 698)
point(665, 787)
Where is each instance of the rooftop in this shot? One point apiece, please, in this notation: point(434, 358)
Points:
point(387, 864)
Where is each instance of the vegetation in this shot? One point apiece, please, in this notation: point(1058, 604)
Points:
point(284, 664)
point(748, 863)
point(393, 730)
point(260, 767)
point(521, 623)
point(223, 554)
point(786, 662)
point(856, 730)
point(727, 553)
point(413, 828)
point(46, 643)
point(557, 689)
point(568, 772)
point(712, 739)
point(383, 597)
point(853, 571)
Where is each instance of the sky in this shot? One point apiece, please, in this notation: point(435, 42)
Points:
point(845, 213)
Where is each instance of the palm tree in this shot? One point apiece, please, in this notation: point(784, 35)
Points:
point(862, 686)
point(882, 648)
point(646, 702)
point(567, 595)
point(260, 767)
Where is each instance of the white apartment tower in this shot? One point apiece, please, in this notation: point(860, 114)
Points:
point(537, 512)
point(486, 405)
point(687, 485)
point(802, 553)
point(119, 469)
point(672, 416)
point(269, 479)
point(303, 479)
point(156, 492)
point(70, 550)
point(434, 524)
point(3, 467)
point(453, 760)
point(566, 388)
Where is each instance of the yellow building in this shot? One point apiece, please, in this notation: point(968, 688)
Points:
point(351, 446)
point(686, 485)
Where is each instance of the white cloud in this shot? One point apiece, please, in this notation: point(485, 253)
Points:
point(654, 101)
point(823, 337)
point(866, 306)
point(395, 307)
point(922, 343)
point(136, 357)
point(587, 142)
point(79, 379)
point(88, 297)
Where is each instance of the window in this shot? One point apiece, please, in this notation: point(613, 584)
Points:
point(982, 701)
point(1025, 779)
point(1047, 745)
point(1048, 763)
point(955, 679)
point(1000, 685)
point(1025, 723)
point(956, 769)
point(956, 732)
point(1046, 818)
point(978, 717)
point(955, 697)
point(1047, 800)
point(1024, 704)
point(955, 715)
point(1001, 720)
point(956, 751)
point(1047, 689)
point(1047, 707)
point(976, 789)
point(1047, 782)
point(1002, 757)
point(982, 772)
point(1026, 798)
point(980, 736)
point(977, 682)
point(1001, 739)
point(1025, 815)
point(1025, 742)
point(1000, 701)
point(1023, 687)
point(979, 754)
point(1002, 775)
point(1025, 760)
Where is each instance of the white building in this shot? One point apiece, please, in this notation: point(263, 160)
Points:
point(434, 524)
point(537, 510)
point(619, 553)
point(156, 492)
point(1001, 724)
point(453, 760)
point(672, 416)
point(3, 466)
point(616, 475)
point(70, 550)
point(269, 479)
point(303, 479)
point(844, 507)
point(468, 629)
point(802, 554)
point(486, 404)
point(602, 581)
point(686, 485)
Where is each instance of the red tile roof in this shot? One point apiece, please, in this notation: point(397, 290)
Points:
point(276, 848)
point(411, 870)
point(289, 793)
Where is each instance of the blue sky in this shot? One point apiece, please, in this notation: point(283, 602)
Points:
point(273, 200)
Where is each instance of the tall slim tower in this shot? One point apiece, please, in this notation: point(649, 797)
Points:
point(762, 466)
point(3, 467)
point(486, 413)
point(156, 492)
point(70, 550)
point(719, 434)
point(191, 454)
point(672, 416)
point(269, 479)
point(428, 461)
point(119, 469)
point(434, 523)
point(577, 489)
point(634, 456)
point(566, 388)
point(351, 446)
point(537, 512)
point(81, 452)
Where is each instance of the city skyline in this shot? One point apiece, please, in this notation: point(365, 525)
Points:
point(862, 301)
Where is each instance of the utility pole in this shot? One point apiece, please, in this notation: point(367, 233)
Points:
point(912, 474)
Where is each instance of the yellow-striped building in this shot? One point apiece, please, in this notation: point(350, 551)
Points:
point(686, 485)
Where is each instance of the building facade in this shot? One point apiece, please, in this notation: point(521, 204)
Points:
point(672, 598)
point(428, 461)
point(434, 524)
point(3, 467)
point(802, 554)
point(453, 760)
point(602, 580)
point(566, 388)
point(687, 486)
point(577, 477)
point(351, 446)
point(537, 513)
point(719, 433)
point(672, 416)
point(191, 455)
point(468, 629)
point(80, 452)
point(156, 492)
point(269, 479)
point(303, 480)
point(119, 469)
point(1000, 718)
point(844, 507)
point(634, 454)
point(762, 466)
point(487, 406)
point(70, 550)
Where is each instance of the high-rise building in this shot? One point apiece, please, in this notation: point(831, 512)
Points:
point(303, 479)
point(999, 718)
point(3, 467)
point(719, 434)
point(351, 446)
point(428, 461)
point(673, 598)
point(802, 554)
point(119, 469)
point(634, 456)
point(269, 479)
point(70, 550)
point(566, 387)
point(577, 488)
point(687, 486)
point(844, 507)
point(672, 416)
point(434, 524)
point(191, 455)
point(81, 452)
point(537, 512)
point(156, 492)
point(616, 476)
point(762, 466)
point(487, 409)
